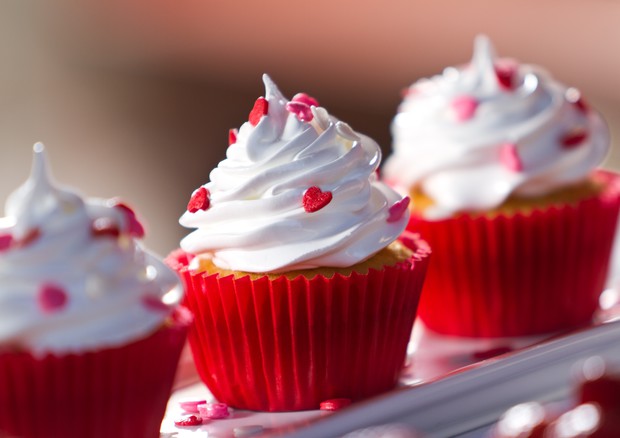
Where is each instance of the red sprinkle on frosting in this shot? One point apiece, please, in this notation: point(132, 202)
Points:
point(6, 241)
point(199, 200)
point(192, 420)
point(51, 298)
point(574, 138)
point(29, 238)
point(397, 210)
point(260, 109)
point(505, 70)
point(574, 96)
point(509, 156)
point(134, 226)
point(304, 98)
point(314, 199)
point(232, 136)
point(335, 404)
point(301, 110)
point(464, 107)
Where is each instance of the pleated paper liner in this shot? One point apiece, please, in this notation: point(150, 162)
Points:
point(117, 392)
point(523, 274)
point(285, 345)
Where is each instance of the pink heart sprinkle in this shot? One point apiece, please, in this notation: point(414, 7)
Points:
point(51, 298)
point(301, 110)
point(191, 405)
point(134, 226)
point(154, 303)
point(304, 98)
point(232, 136)
point(573, 138)
point(213, 411)
point(396, 211)
point(29, 238)
point(505, 71)
point(6, 240)
point(315, 199)
point(260, 109)
point(509, 157)
point(199, 200)
point(464, 107)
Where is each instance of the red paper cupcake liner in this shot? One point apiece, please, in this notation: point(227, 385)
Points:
point(522, 274)
point(117, 392)
point(284, 345)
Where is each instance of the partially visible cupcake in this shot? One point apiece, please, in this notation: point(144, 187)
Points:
point(90, 328)
point(300, 291)
point(500, 162)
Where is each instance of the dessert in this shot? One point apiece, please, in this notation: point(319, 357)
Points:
point(90, 328)
point(500, 162)
point(300, 289)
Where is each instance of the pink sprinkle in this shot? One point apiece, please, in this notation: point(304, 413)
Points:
point(154, 303)
point(134, 226)
point(213, 411)
point(260, 109)
point(6, 240)
point(315, 199)
point(335, 404)
point(29, 238)
point(192, 420)
point(51, 298)
point(397, 210)
point(506, 70)
point(304, 98)
point(199, 201)
point(301, 110)
point(232, 136)
point(573, 138)
point(191, 405)
point(509, 157)
point(464, 107)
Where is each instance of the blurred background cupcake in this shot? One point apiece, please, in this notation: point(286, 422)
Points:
point(500, 161)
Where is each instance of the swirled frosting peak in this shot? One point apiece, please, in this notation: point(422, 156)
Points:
point(73, 276)
point(476, 134)
point(297, 190)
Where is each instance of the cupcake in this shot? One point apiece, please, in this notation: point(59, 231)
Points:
point(500, 161)
point(300, 289)
point(90, 328)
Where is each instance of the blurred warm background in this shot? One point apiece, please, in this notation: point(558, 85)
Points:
point(135, 97)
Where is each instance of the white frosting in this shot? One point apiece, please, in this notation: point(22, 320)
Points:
point(114, 292)
point(456, 157)
point(256, 221)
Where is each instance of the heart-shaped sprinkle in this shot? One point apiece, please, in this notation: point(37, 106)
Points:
point(260, 109)
point(464, 107)
point(154, 303)
point(105, 227)
point(213, 411)
point(134, 226)
point(29, 238)
point(301, 110)
point(574, 96)
point(199, 200)
point(6, 241)
point(396, 211)
point(335, 404)
point(314, 199)
point(51, 298)
point(573, 138)
point(505, 71)
point(191, 405)
point(192, 420)
point(232, 136)
point(509, 157)
point(304, 98)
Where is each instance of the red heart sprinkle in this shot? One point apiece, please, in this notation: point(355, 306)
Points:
point(199, 200)
point(260, 109)
point(574, 138)
point(464, 107)
point(509, 157)
point(304, 98)
point(505, 71)
point(134, 226)
point(397, 210)
point(29, 238)
point(192, 420)
point(301, 110)
point(154, 303)
point(104, 227)
point(232, 136)
point(51, 298)
point(574, 96)
point(315, 199)
point(335, 404)
point(6, 241)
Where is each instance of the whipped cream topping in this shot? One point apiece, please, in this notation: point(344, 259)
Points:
point(73, 276)
point(478, 133)
point(297, 190)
